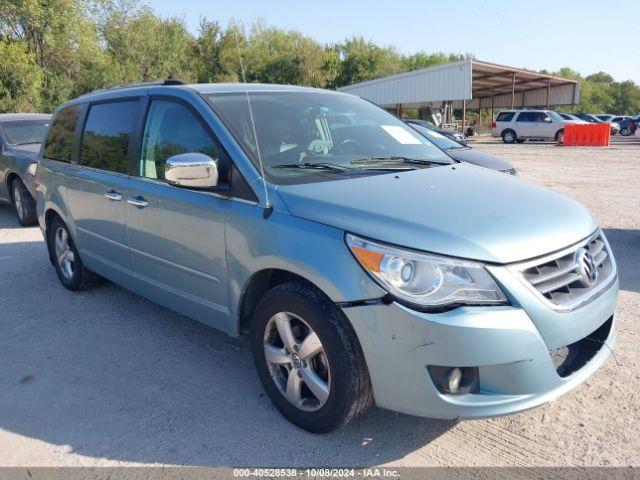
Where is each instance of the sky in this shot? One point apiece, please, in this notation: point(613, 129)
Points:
point(588, 35)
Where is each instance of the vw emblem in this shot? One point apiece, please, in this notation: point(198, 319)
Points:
point(587, 267)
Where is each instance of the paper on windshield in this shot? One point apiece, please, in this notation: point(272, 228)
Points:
point(401, 135)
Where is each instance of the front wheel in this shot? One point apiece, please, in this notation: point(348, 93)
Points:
point(309, 359)
point(24, 204)
point(625, 132)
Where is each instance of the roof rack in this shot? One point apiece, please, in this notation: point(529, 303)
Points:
point(159, 83)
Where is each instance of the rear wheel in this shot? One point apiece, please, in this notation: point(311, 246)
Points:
point(509, 136)
point(625, 132)
point(309, 359)
point(24, 204)
point(66, 260)
point(560, 136)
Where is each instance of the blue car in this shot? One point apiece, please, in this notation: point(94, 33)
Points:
point(365, 265)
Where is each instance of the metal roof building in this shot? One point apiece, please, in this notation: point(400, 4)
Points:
point(468, 84)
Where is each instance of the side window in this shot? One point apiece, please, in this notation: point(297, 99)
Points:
point(107, 133)
point(505, 117)
point(526, 117)
point(60, 138)
point(171, 129)
point(542, 117)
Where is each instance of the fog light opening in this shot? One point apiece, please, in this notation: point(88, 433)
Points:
point(454, 378)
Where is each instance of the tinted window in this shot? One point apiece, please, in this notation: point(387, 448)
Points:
point(171, 129)
point(107, 134)
point(542, 117)
point(60, 138)
point(527, 117)
point(505, 117)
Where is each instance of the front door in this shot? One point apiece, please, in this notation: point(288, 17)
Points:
point(177, 235)
point(542, 126)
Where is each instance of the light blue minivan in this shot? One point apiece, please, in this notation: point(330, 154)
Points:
point(364, 263)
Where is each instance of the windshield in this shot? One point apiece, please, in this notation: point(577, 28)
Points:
point(315, 136)
point(441, 141)
point(555, 116)
point(24, 132)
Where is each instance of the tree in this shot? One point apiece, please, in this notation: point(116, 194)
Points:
point(362, 60)
point(425, 60)
point(278, 56)
point(141, 46)
point(20, 78)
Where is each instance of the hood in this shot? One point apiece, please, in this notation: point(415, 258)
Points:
point(29, 151)
point(477, 157)
point(462, 211)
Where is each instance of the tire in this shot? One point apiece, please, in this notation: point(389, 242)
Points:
point(509, 136)
point(625, 132)
point(559, 136)
point(338, 363)
point(74, 277)
point(23, 203)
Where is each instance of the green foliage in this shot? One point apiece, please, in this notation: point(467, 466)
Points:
point(54, 50)
point(20, 78)
point(600, 93)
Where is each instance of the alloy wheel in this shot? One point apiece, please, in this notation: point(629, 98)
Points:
point(17, 200)
point(64, 253)
point(297, 361)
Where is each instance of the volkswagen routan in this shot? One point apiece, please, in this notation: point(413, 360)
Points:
point(365, 265)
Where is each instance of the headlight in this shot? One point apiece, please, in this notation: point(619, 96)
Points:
point(426, 280)
point(31, 169)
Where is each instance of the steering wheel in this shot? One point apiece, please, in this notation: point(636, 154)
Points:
point(347, 146)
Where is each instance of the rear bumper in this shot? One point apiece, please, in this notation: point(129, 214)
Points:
point(515, 368)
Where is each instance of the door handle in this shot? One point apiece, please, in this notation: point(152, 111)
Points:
point(139, 202)
point(113, 195)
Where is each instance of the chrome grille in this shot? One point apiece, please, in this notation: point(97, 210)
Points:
point(573, 276)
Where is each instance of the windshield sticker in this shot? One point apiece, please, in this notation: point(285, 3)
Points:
point(401, 135)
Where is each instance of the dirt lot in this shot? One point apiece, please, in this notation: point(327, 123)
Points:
point(107, 378)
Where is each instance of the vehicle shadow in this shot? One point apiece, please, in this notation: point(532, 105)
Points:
point(625, 245)
point(109, 375)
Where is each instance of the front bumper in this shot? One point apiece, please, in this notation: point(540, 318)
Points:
point(516, 371)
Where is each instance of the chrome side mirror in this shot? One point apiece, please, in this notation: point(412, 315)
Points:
point(191, 170)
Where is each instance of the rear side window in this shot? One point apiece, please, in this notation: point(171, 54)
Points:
point(505, 117)
point(60, 139)
point(107, 135)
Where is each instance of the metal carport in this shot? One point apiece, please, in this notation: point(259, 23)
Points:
point(468, 84)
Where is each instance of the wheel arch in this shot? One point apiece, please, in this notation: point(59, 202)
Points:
point(11, 176)
point(260, 283)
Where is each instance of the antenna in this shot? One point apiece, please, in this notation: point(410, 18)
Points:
point(268, 207)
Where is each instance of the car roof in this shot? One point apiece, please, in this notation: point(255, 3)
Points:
point(202, 88)
point(11, 117)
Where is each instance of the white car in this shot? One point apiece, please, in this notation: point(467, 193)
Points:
point(520, 125)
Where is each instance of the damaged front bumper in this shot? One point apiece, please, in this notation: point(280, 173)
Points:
point(512, 359)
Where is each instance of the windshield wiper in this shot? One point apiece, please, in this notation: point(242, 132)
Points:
point(330, 167)
point(397, 159)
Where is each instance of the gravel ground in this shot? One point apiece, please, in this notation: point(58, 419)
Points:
point(107, 378)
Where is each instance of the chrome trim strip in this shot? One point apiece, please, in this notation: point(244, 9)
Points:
point(517, 270)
